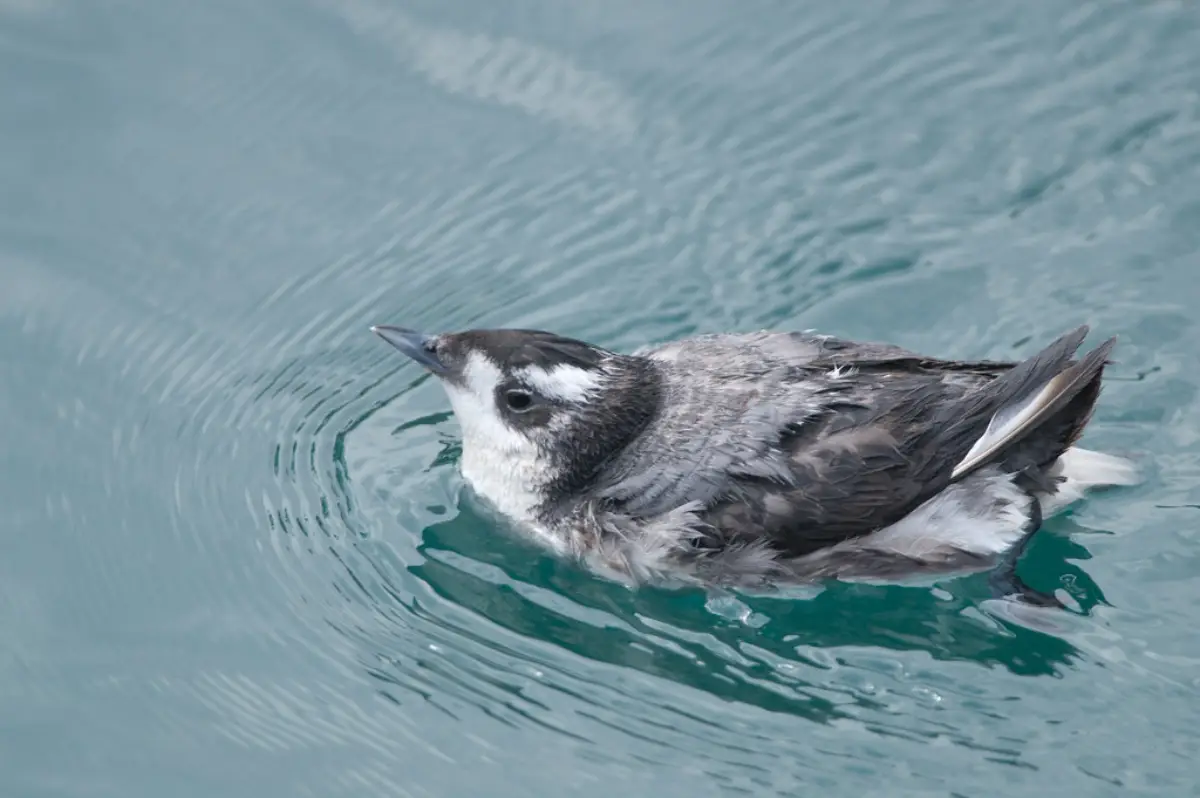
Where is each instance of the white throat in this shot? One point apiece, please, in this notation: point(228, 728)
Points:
point(499, 463)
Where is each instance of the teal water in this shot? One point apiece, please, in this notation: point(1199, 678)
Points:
point(236, 557)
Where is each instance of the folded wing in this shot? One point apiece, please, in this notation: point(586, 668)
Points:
point(896, 430)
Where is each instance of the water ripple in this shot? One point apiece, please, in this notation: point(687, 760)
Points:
point(505, 71)
point(251, 541)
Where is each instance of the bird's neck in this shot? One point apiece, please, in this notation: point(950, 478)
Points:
point(632, 398)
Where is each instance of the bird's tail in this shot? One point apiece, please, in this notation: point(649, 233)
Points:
point(1039, 408)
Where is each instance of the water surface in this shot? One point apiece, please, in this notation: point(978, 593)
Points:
point(236, 556)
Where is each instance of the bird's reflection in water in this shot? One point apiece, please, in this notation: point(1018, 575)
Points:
point(945, 622)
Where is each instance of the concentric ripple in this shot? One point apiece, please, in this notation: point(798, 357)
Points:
point(237, 554)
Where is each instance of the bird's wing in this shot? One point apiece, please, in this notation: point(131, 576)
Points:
point(809, 350)
point(890, 438)
point(882, 358)
point(852, 469)
point(796, 349)
point(736, 406)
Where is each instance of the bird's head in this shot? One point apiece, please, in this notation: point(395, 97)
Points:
point(540, 413)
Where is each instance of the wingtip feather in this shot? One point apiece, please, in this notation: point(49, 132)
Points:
point(1011, 422)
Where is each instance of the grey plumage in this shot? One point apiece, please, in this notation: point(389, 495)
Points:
point(770, 456)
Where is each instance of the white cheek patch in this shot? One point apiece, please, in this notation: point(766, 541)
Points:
point(564, 383)
point(474, 405)
point(500, 463)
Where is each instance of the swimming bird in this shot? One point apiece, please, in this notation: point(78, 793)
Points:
point(769, 457)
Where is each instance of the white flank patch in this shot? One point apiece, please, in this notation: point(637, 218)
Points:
point(956, 520)
point(1092, 468)
point(564, 383)
point(501, 464)
point(1083, 469)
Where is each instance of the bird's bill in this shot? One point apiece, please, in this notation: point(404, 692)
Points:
point(413, 344)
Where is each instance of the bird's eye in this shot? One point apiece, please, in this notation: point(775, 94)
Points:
point(518, 401)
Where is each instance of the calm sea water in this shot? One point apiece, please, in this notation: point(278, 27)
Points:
point(236, 557)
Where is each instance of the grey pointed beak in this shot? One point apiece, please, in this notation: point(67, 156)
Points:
point(417, 346)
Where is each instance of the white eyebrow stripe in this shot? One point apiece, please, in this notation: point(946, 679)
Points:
point(481, 374)
point(565, 383)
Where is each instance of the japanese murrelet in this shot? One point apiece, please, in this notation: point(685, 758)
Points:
point(771, 456)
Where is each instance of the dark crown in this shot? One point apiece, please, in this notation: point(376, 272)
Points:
point(513, 349)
